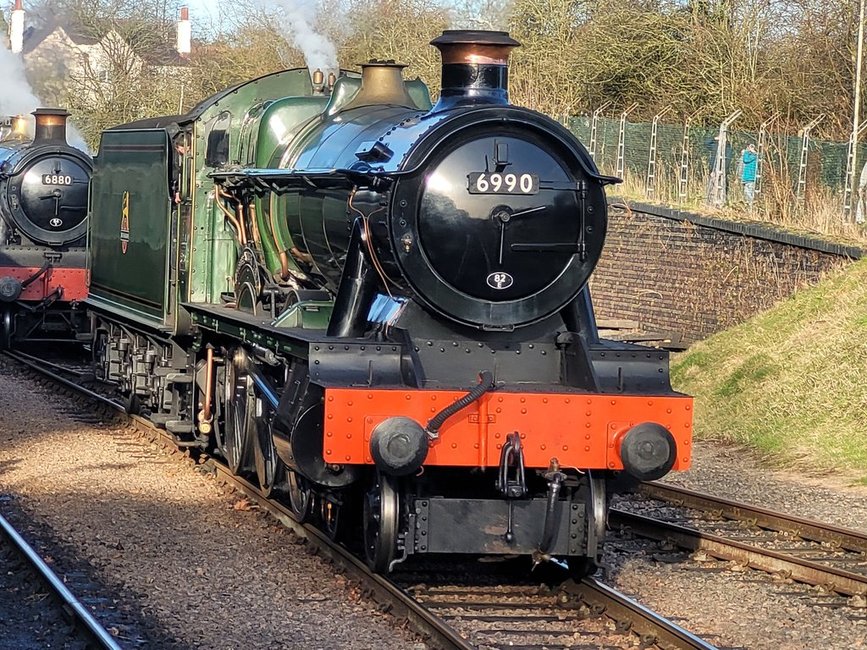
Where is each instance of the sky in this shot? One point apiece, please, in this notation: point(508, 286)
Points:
point(205, 12)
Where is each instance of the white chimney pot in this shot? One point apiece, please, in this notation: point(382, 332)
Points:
point(16, 28)
point(185, 33)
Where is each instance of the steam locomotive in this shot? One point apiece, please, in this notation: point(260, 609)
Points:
point(378, 308)
point(43, 210)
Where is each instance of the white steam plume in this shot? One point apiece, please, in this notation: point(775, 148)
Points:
point(18, 98)
point(297, 18)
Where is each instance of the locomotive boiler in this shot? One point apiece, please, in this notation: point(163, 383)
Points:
point(43, 210)
point(378, 307)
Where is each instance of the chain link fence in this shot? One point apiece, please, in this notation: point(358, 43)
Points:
point(793, 179)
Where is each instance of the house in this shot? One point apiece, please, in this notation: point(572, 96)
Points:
point(57, 56)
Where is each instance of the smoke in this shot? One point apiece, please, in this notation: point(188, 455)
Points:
point(297, 19)
point(18, 97)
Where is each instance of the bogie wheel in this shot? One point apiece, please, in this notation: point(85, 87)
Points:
point(269, 468)
point(381, 514)
point(596, 507)
point(239, 421)
point(299, 495)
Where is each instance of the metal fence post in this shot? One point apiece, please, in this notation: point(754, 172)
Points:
point(851, 171)
point(762, 147)
point(683, 179)
point(594, 123)
point(650, 180)
point(802, 168)
point(716, 190)
point(621, 141)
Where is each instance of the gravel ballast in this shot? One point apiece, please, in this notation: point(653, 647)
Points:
point(191, 565)
point(195, 566)
point(730, 605)
point(32, 617)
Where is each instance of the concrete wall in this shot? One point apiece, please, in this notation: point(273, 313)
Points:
point(676, 272)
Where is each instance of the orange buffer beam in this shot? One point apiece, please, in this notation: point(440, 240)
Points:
point(73, 281)
point(579, 430)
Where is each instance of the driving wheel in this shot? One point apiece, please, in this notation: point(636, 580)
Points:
point(239, 420)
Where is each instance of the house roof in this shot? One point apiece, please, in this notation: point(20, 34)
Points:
point(34, 37)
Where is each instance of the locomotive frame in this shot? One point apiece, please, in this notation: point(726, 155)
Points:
point(293, 310)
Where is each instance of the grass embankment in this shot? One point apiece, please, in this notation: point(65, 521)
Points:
point(790, 383)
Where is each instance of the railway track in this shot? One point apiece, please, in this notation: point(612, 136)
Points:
point(453, 613)
point(86, 628)
point(806, 551)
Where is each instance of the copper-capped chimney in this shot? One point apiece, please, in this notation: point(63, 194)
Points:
point(475, 67)
point(50, 124)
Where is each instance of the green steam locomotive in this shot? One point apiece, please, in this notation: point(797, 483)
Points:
point(378, 306)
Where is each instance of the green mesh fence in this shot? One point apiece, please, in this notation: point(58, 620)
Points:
point(780, 169)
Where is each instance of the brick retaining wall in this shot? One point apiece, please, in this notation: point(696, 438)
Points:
point(694, 275)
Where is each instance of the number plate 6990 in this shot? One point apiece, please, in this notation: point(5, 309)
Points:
point(505, 183)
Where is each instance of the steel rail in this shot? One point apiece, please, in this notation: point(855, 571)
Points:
point(651, 626)
point(384, 591)
point(809, 529)
point(71, 604)
point(799, 569)
point(33, 360)
point(614, 604)
point(402, 603)
point(809, 571)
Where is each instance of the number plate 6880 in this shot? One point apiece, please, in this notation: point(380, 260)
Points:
point(505, 183)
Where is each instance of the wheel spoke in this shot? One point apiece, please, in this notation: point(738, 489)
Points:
point(381, 523)
point(239, 417)
point(300, 496)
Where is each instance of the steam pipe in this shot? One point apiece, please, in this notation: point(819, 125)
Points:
point(552, 512)
point(205, 417)
point(242, 237)
point(358, 286)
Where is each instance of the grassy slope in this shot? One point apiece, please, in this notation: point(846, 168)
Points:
point(792, 381)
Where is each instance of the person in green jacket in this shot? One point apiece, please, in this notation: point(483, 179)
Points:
point(748, 176)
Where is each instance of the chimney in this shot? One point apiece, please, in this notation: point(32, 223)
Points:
point(16, 28)
point(50, 125)
point(475, 67)
point(185, 33)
